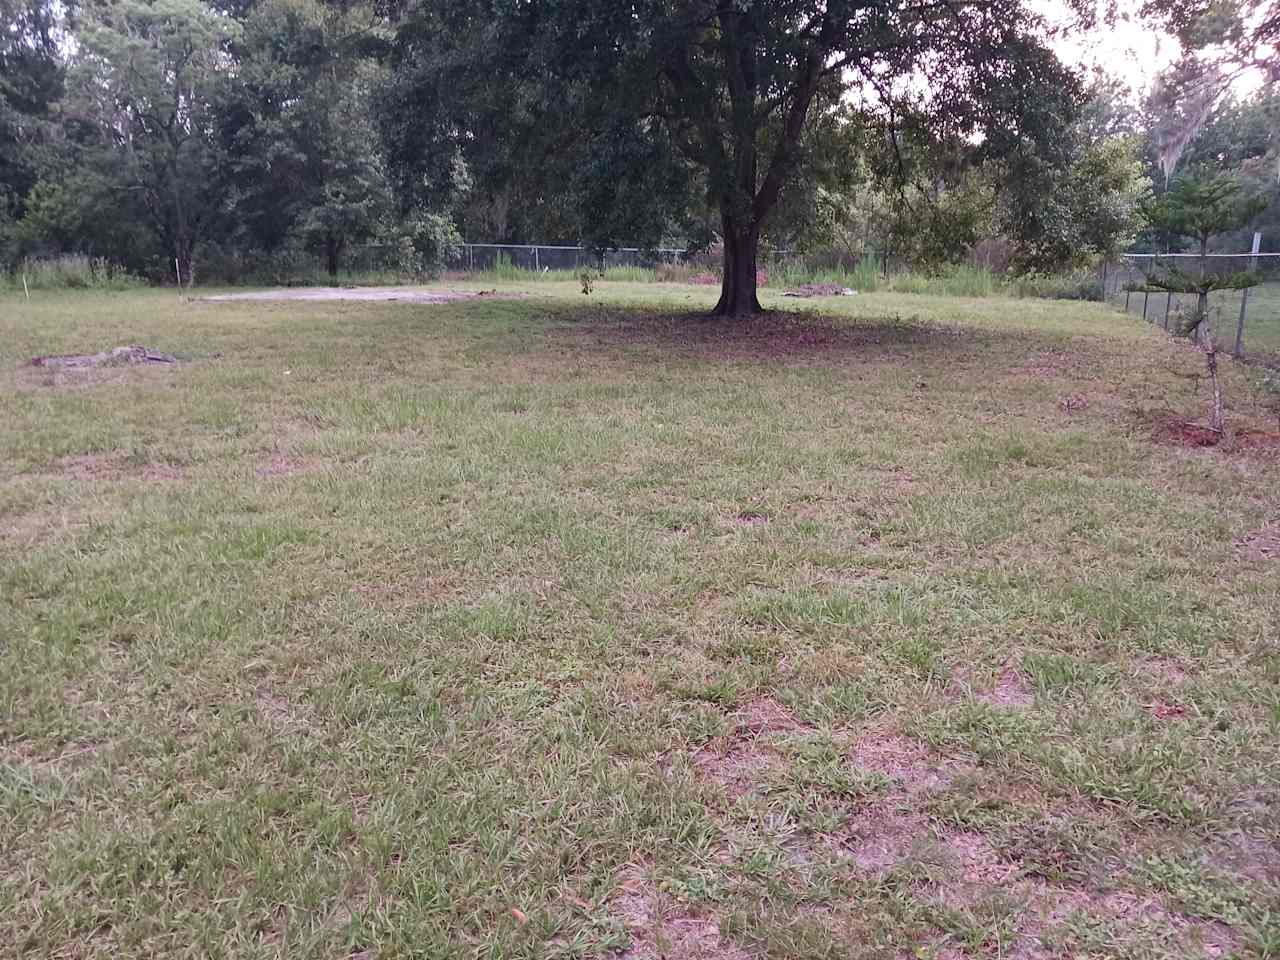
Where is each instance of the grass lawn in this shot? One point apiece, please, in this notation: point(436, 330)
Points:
point(560, 627)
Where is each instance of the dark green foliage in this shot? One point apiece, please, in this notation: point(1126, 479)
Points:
point(31, 76)
point(1200, 207)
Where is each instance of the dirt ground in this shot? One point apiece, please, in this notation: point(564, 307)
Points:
point(408, 294)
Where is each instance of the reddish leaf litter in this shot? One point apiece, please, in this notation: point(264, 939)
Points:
point(821, 290)
point(767, 337)
point(1262, 544)
point(117, 356)
point(1175, 432)
point(1183, 433)
point(362, 294)
point(1073, 402)
point(1257, 439)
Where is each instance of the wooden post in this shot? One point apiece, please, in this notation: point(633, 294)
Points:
point(536, 268)
point(1146, 295)
point(1126, 300)
point(1167, 304)
point(24, 284)
point(178, 270)
point(1244, 296)
point(1104, 280)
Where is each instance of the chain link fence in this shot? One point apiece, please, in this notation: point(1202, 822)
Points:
point(540, 256)
point(1246, 320)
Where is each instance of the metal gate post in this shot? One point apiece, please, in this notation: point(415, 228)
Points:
point(1244, 295)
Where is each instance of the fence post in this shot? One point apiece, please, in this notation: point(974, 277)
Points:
point(1126, 300)
point(1244, 295)
point(471, 258)
point(1146, 295)
point(536, 268)
point(1104, 279)
point(1167, 304)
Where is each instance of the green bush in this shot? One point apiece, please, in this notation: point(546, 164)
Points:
point(426, 243)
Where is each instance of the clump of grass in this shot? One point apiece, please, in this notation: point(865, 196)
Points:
point(631, 273)
point(957, 281)
point(1072, 286)
point(788, 274)
point(72, 271)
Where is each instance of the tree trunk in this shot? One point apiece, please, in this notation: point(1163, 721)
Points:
point(738, 293)
point(332, 249)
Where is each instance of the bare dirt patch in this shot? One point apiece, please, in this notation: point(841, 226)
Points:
point(114, 467)
point(115, 357)
point(281, 465)
point(280, 714)
point(764, 715)
point(408, 593)
point(906, 762)
point(736, 761)
point(881, 838)
point(662, 929)
point(81, 371)
point(736, 767)
point(821, 290)
point(975, 861)
point(1262, 544)
point(1009, 691)
point(363, 295)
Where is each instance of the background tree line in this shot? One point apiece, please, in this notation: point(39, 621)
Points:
point(248, 138)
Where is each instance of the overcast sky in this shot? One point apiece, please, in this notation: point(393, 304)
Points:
point(1131, 48)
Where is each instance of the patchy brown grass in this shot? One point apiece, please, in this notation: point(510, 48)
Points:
point(286, 465)
point(114, 467)
point(1262, 544)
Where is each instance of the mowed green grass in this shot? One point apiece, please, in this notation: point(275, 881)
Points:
point(567, 626)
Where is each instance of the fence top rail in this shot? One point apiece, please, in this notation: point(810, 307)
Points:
point(554, 246)
point(1194, 256)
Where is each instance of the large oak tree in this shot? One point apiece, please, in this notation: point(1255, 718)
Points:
point(649, 108)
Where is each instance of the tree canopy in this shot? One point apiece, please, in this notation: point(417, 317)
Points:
point(653, 110)
point(264, 138)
